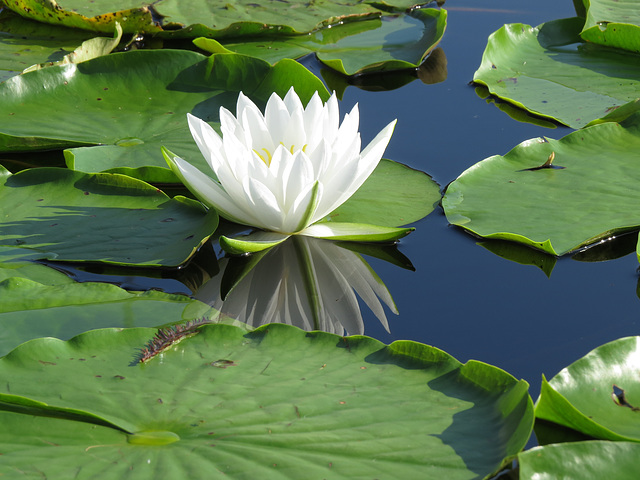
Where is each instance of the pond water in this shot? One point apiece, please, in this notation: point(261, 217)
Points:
point(461, 297)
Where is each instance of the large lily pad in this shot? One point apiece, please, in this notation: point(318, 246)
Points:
point(130, 104)
point(379, 44)
point(274, 403)
point(29, 309)
point(65, 215)
point(614, 23)
point(588, 193)
point(592, 460)
point(550, 72)
point(203, 17)
point(599, 394)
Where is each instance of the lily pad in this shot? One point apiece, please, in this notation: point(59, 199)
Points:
point(30, 309)
point(550, 72)
point(65, 215)
point(614, 23)
point(588, 193)
point(24, 43)
point(393, 195)
point(599, 394)
point(592, 460)
point(178, 19)
point(297, 404)
point(378, 44)
point(132, 103)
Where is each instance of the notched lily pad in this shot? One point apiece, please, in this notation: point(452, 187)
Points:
point(297, 404)
point(595, 196)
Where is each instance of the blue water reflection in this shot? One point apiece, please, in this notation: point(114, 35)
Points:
point(462, 298)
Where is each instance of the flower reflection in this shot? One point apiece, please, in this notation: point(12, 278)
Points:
point(306, 282)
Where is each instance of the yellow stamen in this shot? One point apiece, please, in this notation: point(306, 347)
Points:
point(267, 160)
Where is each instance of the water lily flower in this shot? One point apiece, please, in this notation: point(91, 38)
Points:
point(306, 282)
point(285, 171)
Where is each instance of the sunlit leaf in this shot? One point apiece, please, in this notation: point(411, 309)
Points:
point(588, 193)
point(598, 394)
point(592, 460)
point(179, 19)
point(379, 44)
point(613, 23)
point(275, 403)
point(550, 72)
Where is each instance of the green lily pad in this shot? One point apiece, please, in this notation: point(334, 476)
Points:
point(297, 404)
point(65, 215)
point(597, 395)
point(592, 460)
point(30, 310)
point(132, 103)
point(550, 72)
point(614, 23)
point(24, 43)
point(92, 48)
point(173, 18)
point(379, 44)
point(392, 196)
point(591, 193)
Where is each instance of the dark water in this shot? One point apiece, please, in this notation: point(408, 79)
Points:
point(462, 298)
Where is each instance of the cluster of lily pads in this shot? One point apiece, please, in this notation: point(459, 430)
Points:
point(210, 395)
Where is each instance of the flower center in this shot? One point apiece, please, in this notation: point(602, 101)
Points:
point(266, 158)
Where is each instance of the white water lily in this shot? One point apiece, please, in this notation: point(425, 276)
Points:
point(284, 171)
point(306, 282)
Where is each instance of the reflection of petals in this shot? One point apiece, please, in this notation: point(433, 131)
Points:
point(305, 282)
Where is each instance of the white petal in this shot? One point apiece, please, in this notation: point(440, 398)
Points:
point(209, 192)
point(331, 119)
point(292, 101)
point(206, 138)
point(265, 205)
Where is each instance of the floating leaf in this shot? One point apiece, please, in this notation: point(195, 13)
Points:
point(177, 19)
point(556, 210)
point(613, 23)
point(30, 310)
point(132, 103)
point(92, 48)
point(378, 44)
point(392, 196)
point(297, 404)
point(592, 460)
point(599, 394)
point(24, 43)
point(548, 71)
point(74, 216)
